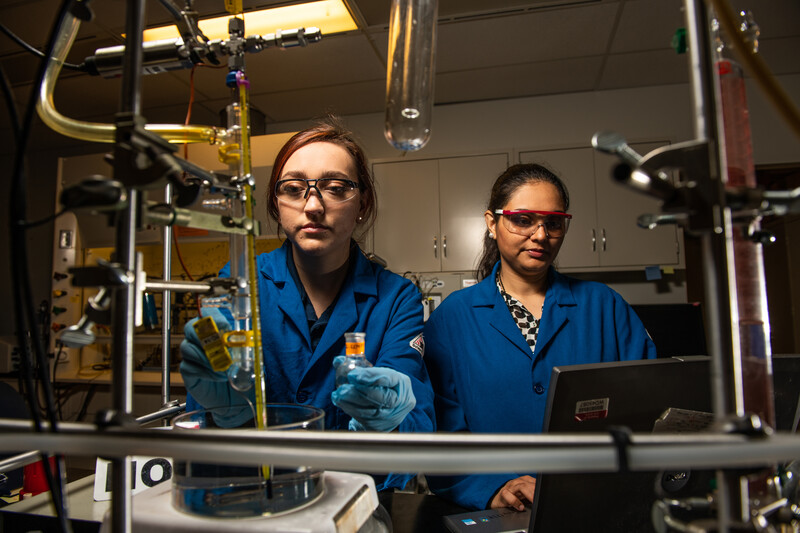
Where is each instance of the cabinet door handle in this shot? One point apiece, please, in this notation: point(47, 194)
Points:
point(594, 240)
point(444, 245)
point(435, 247)
point(604, 239)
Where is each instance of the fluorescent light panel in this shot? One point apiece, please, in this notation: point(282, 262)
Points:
point(330, 16)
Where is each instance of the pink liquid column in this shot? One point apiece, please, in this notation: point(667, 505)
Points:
point(753, 326)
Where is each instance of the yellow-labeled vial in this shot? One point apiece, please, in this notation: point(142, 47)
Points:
point(212, 343)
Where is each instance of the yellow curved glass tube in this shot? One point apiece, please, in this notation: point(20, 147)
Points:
point(100, 132)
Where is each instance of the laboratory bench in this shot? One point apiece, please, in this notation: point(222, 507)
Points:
point(410, 513)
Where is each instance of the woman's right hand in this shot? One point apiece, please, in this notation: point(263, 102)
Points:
point(515, 493)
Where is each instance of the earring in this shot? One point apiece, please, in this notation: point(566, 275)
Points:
point(491, 235)
point(359, 219)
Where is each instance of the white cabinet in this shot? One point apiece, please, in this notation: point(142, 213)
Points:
point(430, 212)
point(603, 230)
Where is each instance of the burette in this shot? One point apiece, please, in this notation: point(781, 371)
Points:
point(244, 342)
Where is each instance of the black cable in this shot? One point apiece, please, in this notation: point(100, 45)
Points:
point(44, 321)
point(621, 437)
point(37, 392)
point(23, 307)
point(56, 360)
point(45, 220)
point(11, 103)
point(68, 392)
point(176, 14)
point(31, 49)
point(87, 398)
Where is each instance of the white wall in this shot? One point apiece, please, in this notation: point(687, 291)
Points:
point(543, 122)
point(663, 112)
point(773, 140)
point(570, 120)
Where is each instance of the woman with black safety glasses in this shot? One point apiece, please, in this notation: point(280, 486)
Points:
point(316, 287)
point(490, 348)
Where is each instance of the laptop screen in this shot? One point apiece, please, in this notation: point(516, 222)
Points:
point(590, 399)
point(594, 397)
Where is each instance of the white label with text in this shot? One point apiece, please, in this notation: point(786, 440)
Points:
point(146, 472)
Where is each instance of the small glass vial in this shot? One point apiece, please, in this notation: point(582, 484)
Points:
point(354, 356)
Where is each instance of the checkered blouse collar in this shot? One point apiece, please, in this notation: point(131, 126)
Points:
point(526, 322)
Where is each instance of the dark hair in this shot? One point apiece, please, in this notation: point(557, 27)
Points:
point(330, 130)
point(504, 187)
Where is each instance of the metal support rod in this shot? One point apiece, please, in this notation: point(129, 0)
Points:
point(163, 413)
point(719, 340)
point(133, 57)
point(720, 293)
point(439, 453)
point(17, 461)
point(200, 220)
point(122, 310)
point(177, 286)
point(718, 231)
point(166, 308)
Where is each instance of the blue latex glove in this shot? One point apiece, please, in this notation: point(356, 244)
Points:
point(211, 389)
point(377, 398)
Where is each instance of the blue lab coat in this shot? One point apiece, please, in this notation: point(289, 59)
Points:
point(486, 378)
point(373, 300)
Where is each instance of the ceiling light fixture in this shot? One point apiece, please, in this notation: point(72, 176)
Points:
point(330, 16)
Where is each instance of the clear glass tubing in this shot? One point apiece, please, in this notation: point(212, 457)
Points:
point(410, 73)
point(100, 132)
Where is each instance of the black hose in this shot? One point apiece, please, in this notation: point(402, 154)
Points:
point(11, 103)
point(31, 49)
point(27, 331)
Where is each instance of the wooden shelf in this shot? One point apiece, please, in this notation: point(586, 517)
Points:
point(103, 377)
point(144, 338)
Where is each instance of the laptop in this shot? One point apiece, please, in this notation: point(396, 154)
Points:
point(594, 397)
point(489, 521)
point(591, 398)
point(608, 394)
point(786, 388)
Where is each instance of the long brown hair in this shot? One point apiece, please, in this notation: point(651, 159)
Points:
point(329, 129)
point(504, 187)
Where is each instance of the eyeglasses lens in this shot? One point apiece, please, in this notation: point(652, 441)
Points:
point(528, 223)
point(329, 189)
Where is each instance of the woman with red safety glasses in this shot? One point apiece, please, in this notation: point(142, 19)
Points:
point(490, 348)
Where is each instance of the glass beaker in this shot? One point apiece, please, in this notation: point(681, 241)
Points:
point(212, 489)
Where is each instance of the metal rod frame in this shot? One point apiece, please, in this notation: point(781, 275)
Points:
point(123, 301)
point(432, 453)
point(717, 255)
point(166, 308)
point(17, 461)
point(435, 453)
